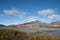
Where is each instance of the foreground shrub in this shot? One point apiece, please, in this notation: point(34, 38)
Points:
point(12, 35)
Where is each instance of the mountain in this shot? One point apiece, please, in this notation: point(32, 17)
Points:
point(33, 22)
point(1, 25)
point(36, 23)
point(56, 23)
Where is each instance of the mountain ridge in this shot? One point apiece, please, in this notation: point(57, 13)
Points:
point(36, 23)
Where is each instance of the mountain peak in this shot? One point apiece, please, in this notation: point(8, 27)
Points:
point(37, 21)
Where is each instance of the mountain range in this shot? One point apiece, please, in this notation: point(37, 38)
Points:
point(36, 23)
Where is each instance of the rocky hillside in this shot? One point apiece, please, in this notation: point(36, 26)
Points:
point(38, 24)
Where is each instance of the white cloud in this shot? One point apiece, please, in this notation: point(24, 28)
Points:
point(32, 18)
point(14, 12)
point(46, 12)
point(11, 11)
point(49, 13)
point(22, 15)
point(53, 17)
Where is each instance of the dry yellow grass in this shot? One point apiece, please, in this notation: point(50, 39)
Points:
point(17, 35)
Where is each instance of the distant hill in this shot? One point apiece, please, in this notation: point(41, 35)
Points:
point(36, 23)
point(31, 24)
point(56, 23)
point(1, 25)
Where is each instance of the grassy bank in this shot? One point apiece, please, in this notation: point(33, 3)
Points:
point(6, 34)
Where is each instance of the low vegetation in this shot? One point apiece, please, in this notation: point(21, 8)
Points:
point(17, 35)
point(12, 35)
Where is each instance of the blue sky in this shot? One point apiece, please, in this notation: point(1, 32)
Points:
point(21, 11)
